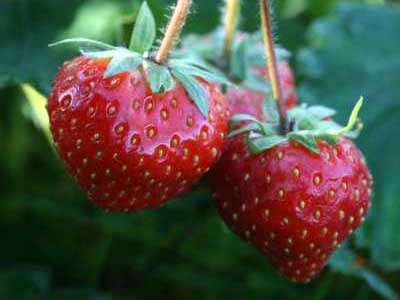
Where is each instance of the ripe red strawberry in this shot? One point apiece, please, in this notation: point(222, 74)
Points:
point(134, 128)
point(128, 147)
point(247, 101)
point(295, 203)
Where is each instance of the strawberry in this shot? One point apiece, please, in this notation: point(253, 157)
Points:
point(135, 133)
point(244, 100)
point(246, 67)
point(296, 196)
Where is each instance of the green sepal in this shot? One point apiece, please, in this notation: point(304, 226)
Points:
point(321, 112)
point(125, 61)
point(195, 90)
point(144, 32)
point(93, 53)
point(270, 109)
point(264, 128)
point(353, 117)
point(159, 77)
point(261, 144)
point(95, 45)
point(303, 119)
point(257, 82)
point(244, 129)
point(195, 69)
point(306, 138)
point(238, 60)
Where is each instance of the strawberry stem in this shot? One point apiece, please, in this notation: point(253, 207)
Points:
point(231, 17)
point(174, 28)
point(272, 65)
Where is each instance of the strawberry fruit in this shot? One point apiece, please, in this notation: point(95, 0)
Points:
point(135, 133)
point(245, 100)
point(297, 195)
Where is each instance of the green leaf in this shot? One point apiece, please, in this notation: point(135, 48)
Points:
point(265, 128)
point(37, 103)
point(159, 77)
point(24, 54)
point(271, 110)
point(259, 145)
point(332, 139)
point(306, 138)
point(92, 53)
point(238, 59)
point(256, 82)
point(144, 32)
point(345, 261)
point(342, 45)
point(238, 118)
point(303, 119)
point(353, 117)
point(82, 42)
point(195, 90)
point(321, 112)
point(186, 67)
point(24, 283)
point(244, 129)
point(124, 61)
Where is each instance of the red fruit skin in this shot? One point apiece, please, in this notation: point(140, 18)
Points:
point(129, 148)
point(295, 206)
point(245, 101)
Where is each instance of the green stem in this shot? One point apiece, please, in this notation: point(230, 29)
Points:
point(174, 28)
point(231, 20)
point(272, 65)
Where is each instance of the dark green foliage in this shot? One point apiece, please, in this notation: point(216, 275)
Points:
point(56, 246)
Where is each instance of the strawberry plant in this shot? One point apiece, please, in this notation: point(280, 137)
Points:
point(57, 245)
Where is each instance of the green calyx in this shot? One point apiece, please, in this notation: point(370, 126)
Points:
point(139, 57)
point(247, 53)
point(305, 125)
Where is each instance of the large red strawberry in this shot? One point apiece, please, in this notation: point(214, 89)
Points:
point(297, 195)
point(133, 132)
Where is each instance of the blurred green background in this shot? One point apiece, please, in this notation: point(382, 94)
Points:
point(55, 245)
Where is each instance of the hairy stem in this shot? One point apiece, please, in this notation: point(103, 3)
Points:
point(272, 65)
point(231, 20)
point(174, 28)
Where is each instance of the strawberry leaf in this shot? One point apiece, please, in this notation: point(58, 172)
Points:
point(144, 32)
point(306, 138)
point(195, 90)
point(261, 144)
point(124, 61)
point(189, 68)
point(238, 60)
point(353, 117)
point(244, 129)
point(271, 110)
point(322, 112)
point(84, 42)
point(93, 53)
point(159, 77)
point(257, 82)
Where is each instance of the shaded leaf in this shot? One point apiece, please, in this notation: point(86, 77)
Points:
point(345, 261)
point(306, 138)
point(262, 144)
point(144, 32)
point(123, 62)
point(238, 59)
point(159, 77)
point(195, 90)
point(270, 109)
